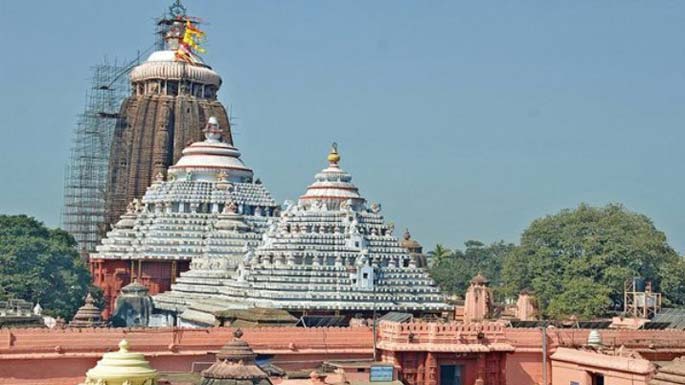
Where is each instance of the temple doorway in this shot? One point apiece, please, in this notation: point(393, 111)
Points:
point(450, 375)
point(597, 379)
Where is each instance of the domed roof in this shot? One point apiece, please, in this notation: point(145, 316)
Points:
point(332, 185)
point(164, 65)
point(122, 367)
point(408, 243)
point(212, 158)
point(135, 288)
point(480, 279)
point(235, 361)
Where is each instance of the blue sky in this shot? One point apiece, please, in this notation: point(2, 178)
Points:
point(466, 120)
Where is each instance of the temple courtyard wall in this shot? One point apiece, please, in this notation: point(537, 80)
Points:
point(502, 355)
point(45, 356)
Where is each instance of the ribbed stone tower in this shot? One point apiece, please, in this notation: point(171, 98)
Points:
point(173, 94)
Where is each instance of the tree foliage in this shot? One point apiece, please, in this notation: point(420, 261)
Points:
point(577, 261)
point(38, 264)
point(454, 269)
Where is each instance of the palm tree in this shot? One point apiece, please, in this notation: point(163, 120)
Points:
point(436, 255)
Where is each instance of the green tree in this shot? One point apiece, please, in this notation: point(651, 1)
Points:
point(38, 264)
point(439, 254)
point(577, 261)
point(453, 274)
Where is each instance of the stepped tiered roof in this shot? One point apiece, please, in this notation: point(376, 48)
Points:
point(88, 315)
point(328, 252)
point(208, 210)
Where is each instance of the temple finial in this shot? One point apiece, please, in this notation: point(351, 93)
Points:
point(177, 9)
point(333, 156)
point(123, 346)
point(212, 129)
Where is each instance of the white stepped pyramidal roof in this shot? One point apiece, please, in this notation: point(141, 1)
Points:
point(208, 208)
point(327, 252)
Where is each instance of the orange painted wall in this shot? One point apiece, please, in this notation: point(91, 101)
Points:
point(524, 368)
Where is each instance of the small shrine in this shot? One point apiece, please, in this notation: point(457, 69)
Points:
point(478, 300)
point(88, 315)
point(415, 249)
point(133, 307)
point(235, 364)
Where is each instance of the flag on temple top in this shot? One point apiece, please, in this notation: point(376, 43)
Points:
point(192, 37)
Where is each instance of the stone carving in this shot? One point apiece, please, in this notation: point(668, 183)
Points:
point(222, 176)
point(230, 208)
point(159, 177)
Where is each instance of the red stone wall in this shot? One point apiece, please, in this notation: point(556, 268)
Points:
point(112, 275)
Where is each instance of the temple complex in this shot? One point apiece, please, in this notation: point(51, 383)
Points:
point(207, 209)
point(328, 253)
point(173, 95)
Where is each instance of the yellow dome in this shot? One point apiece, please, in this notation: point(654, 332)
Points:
point(333, 156)
point(122, 367)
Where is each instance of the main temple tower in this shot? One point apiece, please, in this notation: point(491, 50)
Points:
point(173, 94)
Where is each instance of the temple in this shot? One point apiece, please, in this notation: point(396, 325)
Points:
point(172, 91)
point(208, 209)
point(329, 253)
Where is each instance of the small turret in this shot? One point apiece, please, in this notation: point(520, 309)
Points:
point(478, 301)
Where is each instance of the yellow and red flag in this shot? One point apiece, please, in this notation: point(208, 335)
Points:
point(190, 43)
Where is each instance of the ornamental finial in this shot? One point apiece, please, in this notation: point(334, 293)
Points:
point(123, 346)
point(177, 9)
point(212, 130)
point(333, 156)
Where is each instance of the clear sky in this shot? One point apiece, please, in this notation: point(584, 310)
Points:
point(466, 120)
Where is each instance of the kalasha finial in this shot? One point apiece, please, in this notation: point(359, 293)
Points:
point(212, 129)
point(237, 333)
point(123, 346)
point(407, 235)
point(333, 156)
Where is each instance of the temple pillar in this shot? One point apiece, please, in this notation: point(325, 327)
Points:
point(420, 369)
point(481, 376)
point(431, 369)
point(133, 270)
point(173, 272)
